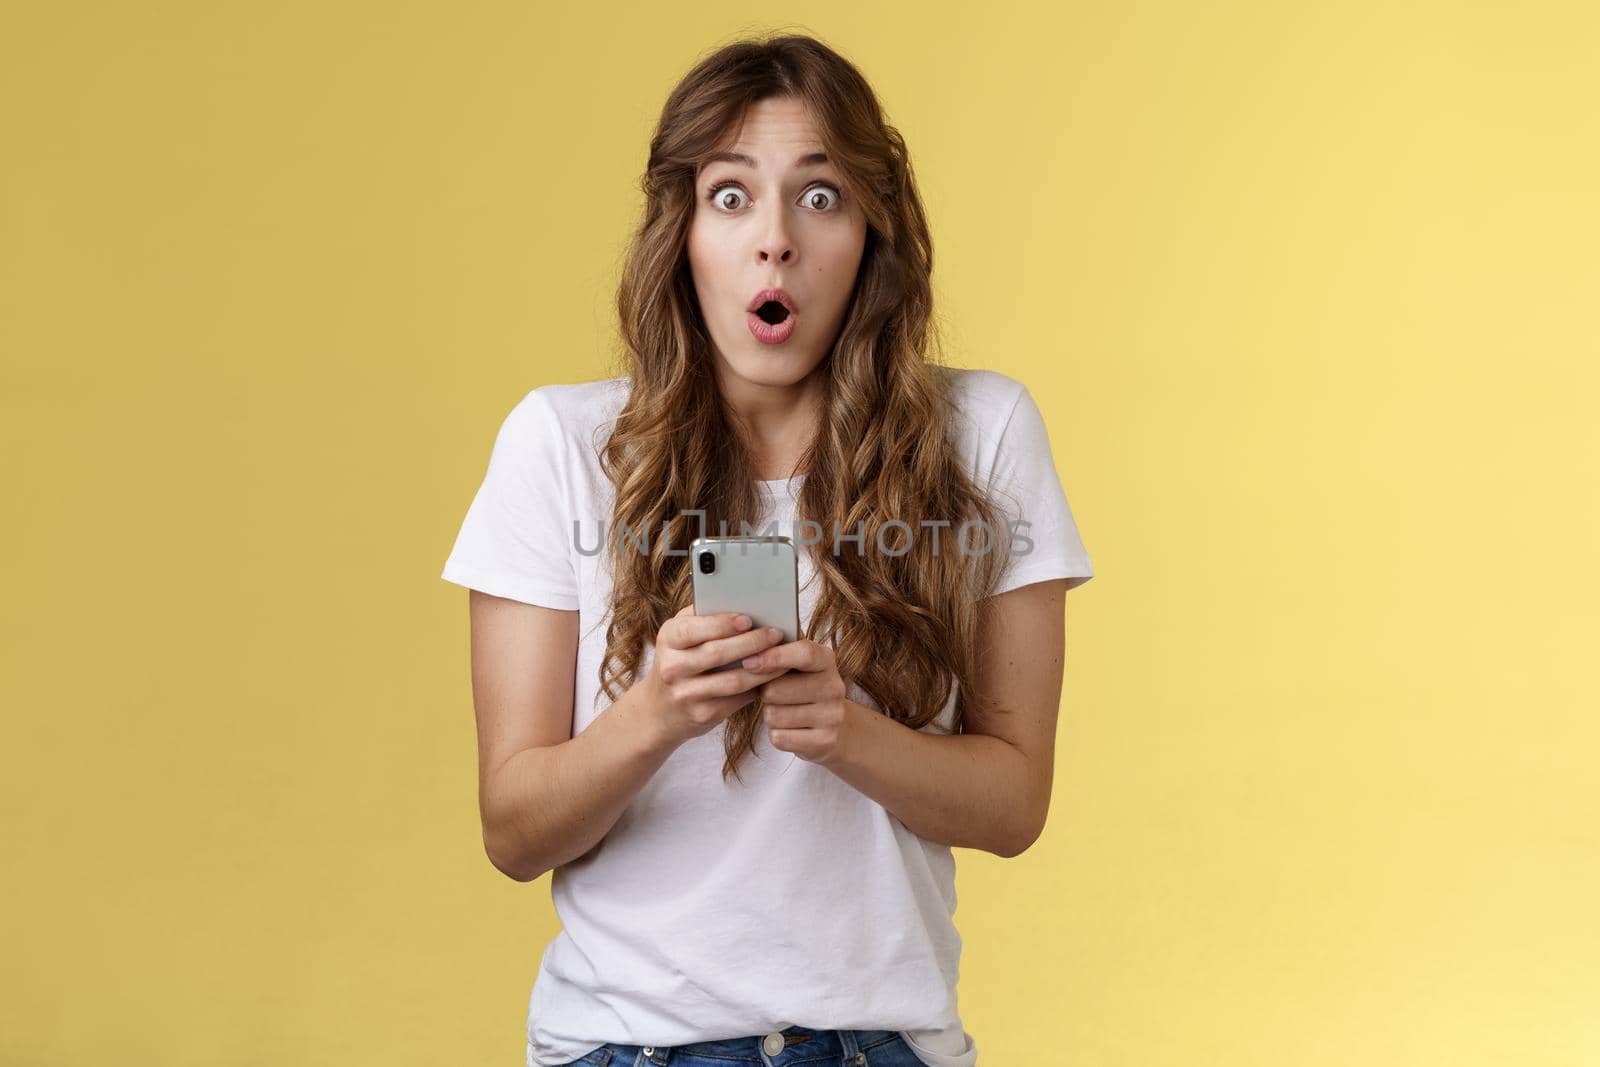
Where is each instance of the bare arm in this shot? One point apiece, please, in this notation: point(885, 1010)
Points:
point(988, 787)
point(546, 797)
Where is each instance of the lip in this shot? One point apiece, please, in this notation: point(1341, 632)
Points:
point(769, 333)
point(772, 294)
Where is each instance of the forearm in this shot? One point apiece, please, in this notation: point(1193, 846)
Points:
point(549, 805)
point(962, 790)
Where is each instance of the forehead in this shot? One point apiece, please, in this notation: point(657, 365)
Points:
point(771, 133)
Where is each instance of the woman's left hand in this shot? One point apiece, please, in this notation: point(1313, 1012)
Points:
point(806, 710)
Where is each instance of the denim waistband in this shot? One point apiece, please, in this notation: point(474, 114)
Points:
point(800, 1043)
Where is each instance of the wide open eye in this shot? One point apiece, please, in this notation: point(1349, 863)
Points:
point(726, 196)
point(721, 195)
point(822, 192)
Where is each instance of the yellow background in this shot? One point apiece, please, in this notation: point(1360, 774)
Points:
point(1306, 292)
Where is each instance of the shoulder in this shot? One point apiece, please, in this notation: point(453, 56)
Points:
point(982, 390)
point(982, 403)
point(567, 413)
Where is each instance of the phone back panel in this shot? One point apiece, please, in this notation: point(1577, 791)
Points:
point(758, 576)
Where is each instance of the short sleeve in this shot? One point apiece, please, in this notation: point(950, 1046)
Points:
point(516, 539)
point(1025, 483)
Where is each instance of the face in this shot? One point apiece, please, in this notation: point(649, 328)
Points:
point(776, 220)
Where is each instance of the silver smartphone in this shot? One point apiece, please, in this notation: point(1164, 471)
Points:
point(758, 576)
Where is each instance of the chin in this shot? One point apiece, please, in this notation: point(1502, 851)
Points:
point(773, 366)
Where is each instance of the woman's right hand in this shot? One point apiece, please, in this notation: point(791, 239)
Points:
point(684, 699)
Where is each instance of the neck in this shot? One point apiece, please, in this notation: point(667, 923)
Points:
point(778, 421)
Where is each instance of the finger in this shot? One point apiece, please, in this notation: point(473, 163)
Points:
point(687, 631)
point(726, 706)
point(729, 649)
point(801, 655)
point(804, 743)
point(788, 688)
point(805, 687)
point(789, 716)
point(711, 686)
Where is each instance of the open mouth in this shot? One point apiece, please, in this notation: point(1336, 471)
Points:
point(772, 312)
point(771, 316)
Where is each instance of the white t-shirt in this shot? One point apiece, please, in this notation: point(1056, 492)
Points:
point(716, 909)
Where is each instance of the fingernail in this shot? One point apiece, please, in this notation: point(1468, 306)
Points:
point(773, 633)
point(752, 662)
point(742, 622)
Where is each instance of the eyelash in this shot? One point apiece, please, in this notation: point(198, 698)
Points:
point(711, 194)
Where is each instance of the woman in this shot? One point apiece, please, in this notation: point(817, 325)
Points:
point(755, 866)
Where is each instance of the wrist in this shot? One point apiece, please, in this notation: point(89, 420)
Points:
point(857, 735)
point(643, 720)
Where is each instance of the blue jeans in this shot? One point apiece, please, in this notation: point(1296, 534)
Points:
point(802, 1048)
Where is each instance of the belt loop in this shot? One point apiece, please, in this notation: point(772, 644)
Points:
point(847, 1038)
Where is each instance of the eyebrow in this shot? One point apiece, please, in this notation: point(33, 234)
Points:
point(809, 160)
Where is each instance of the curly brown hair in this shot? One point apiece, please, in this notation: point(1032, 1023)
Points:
point(903, 627)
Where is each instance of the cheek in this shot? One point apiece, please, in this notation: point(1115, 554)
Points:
point(839, 263)
point(694, 250)
point(705, 258)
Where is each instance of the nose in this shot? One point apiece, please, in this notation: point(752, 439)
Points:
point(777, 244)
point(779, 250)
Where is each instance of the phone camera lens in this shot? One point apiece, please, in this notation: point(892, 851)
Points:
point(708, 562)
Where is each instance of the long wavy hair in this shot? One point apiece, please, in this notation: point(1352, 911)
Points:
point(903, 627)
